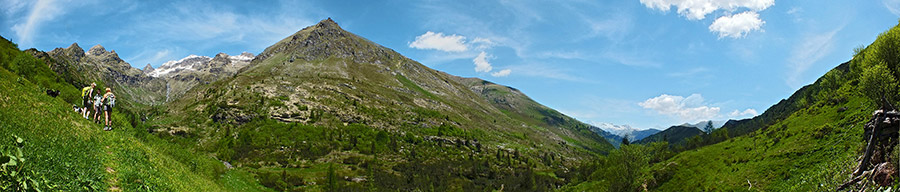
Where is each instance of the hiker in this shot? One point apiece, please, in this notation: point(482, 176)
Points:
point(87, 94)
point(97, 108)
point(109, 101)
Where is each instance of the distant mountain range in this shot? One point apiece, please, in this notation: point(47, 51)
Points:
point(673, 135)
point(615, 133)
point(702, 125)
point(222, 62)
point(184, 74)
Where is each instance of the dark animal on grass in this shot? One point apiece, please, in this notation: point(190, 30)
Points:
point(52, 93)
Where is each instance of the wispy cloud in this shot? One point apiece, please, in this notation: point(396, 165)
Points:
point(203, 25)
point(151, 57)
point(892, 5)
point(40, 11)
point(547, 71)
point(688, 73)
point(794, 10)
point(631, 59)
point(809, 51)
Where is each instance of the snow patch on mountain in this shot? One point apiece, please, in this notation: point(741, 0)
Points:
point(246, 57)
point(186, 63)
point(195, 63)
point(625, 130)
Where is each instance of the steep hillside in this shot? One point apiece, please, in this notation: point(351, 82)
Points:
point(324, 101)
point(517, 105)
point(55, 149)
point(808, 142)
point(105, 68)
point(673, 135)
point(781, 110)
point(811, 141)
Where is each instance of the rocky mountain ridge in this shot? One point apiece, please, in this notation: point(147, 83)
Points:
point(330, 80)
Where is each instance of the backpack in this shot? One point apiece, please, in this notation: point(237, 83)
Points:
point(97, 100)
point(85, 92)
point(111, 100)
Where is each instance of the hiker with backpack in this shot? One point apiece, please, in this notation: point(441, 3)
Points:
point(87, 94)
point(109, 101)
point(98, 108)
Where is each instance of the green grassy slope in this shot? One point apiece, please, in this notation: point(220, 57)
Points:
point(324, 97)
point(72, 154)
point(812, 149)
point(519, 106)
point(808, 142)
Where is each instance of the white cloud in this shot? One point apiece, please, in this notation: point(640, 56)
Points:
point(41, 11)
point(437, 41)
point(734, 26)
point(481, 63)
point(686, 109)
point(737, 25)
point(698, 9)
point(808, 52)
point(743, 114)
point(502, 73)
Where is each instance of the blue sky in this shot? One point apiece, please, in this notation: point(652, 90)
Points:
point(641, 63)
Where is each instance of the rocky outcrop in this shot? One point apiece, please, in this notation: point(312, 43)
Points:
point(881, 132)
point(97, 64)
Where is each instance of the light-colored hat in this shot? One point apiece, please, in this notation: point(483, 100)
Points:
point(108, 89)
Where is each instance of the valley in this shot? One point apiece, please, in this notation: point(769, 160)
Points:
point(327, 109)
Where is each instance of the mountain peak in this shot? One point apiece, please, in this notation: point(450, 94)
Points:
point(147, 68)
point(220, 54)
point(327, 40)
point(97, 50)
point(74, 46)
point(328, 23)
point(74, 50)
